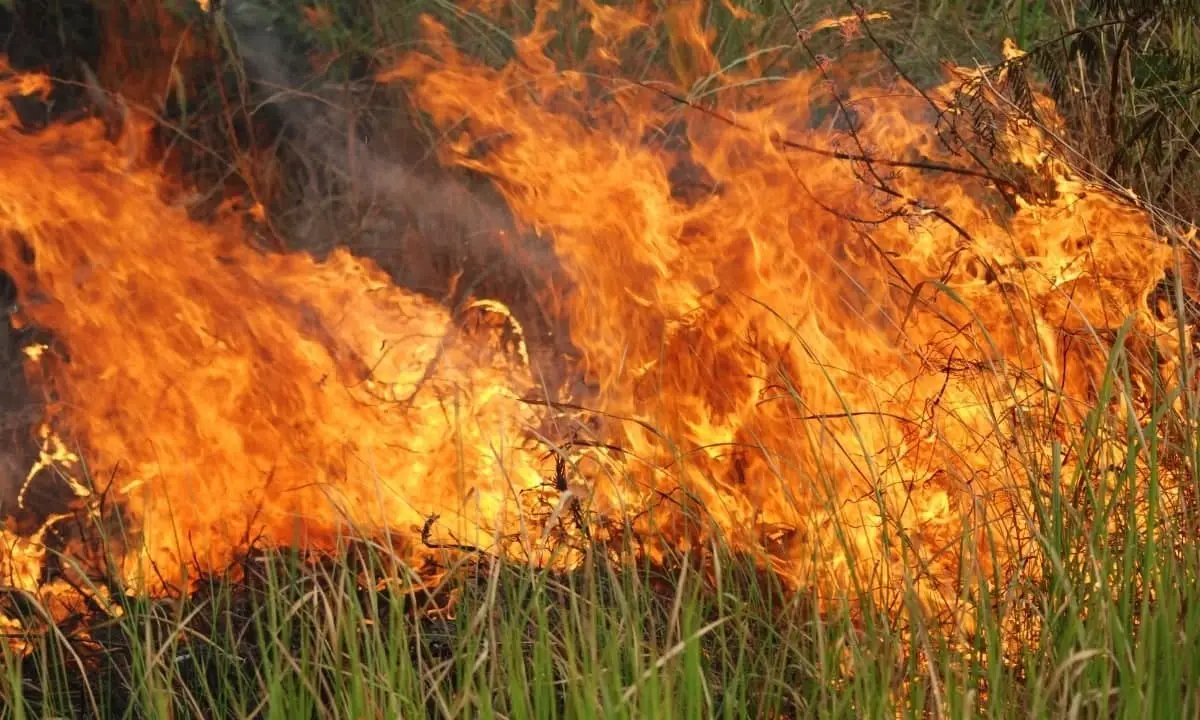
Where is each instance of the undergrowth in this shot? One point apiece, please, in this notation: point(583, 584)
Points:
point(1125, 73)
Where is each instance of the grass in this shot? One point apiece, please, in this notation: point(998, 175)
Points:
point(1113, 630)
point(1107, 624)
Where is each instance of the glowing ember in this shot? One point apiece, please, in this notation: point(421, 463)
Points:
point(850, 364)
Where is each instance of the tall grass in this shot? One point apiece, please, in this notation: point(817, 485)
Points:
point(1110, 624)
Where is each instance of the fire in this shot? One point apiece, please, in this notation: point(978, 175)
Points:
point(806, 286)
point(228, 396)
point(801, 309)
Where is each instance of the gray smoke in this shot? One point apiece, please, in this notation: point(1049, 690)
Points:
point(462, 231)
point(443, 208)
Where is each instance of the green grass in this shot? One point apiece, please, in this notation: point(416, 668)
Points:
point(1113, 631)
point(1107, 626)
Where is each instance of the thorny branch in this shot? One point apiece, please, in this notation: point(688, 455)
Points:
point(880, 183)
point(865, 24)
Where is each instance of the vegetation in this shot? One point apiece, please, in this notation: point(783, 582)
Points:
point(1110, 622)
point(1112, 630)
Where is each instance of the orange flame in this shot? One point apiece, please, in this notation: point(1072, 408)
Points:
point(871, 357)
point(235, 396)
point(847, 354)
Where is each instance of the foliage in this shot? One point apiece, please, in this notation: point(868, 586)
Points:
point(1125, 73)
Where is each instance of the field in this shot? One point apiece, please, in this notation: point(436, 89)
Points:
point(836, 507)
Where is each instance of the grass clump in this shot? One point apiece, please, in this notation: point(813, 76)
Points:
point(1103, 621)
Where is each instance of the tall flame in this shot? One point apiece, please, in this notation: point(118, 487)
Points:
point(822, 315)
point(800, 306)
point(229, 396)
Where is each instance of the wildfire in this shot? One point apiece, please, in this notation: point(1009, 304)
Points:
point(226, 396)
point(802, 310)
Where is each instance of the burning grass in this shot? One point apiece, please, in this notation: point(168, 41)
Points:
point(1110, 625)
point(796, 389)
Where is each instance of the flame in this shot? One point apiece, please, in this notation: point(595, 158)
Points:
point(226, 396)
point(850, 349)
point(873, 358)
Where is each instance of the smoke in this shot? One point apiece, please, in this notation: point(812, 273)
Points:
point(19, 414)
point(466, 242)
